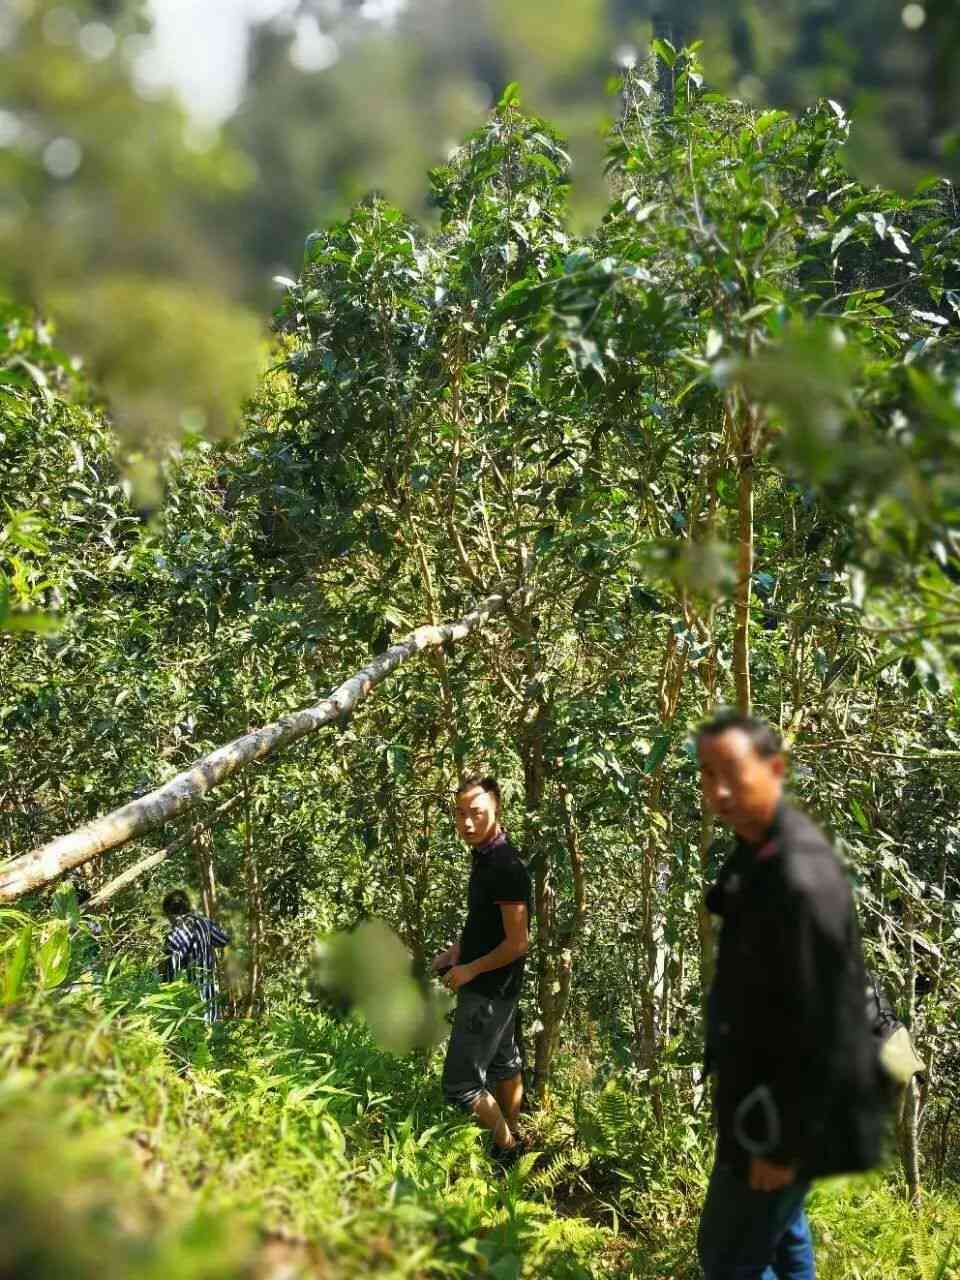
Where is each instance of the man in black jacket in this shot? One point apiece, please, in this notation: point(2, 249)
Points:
point(798, 1086)
point(483, 1072)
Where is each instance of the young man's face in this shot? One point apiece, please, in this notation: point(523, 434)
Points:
point(477, 815)
point(742, 787)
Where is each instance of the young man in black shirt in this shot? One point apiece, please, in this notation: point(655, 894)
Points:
point(483, 1072)
point(799, 1092)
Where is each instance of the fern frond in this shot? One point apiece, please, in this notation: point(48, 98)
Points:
point(549, 1178)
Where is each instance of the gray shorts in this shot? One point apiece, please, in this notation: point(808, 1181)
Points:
point(482, 1049)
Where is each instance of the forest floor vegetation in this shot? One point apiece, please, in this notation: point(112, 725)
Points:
point(291, 1146)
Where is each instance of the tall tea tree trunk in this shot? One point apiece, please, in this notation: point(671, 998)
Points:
point(543, 899)
point(565, 943)
point(254, 907)
point(742, 424)
point(929, 1081)
point(658, 840)
point(705, 927)
point(206, 871)
point(909, 1103)
point(182, 793)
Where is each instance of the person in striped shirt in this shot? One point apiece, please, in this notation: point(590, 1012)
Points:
point(189, 949)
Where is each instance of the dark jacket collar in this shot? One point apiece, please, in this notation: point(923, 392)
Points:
point(744, 862)
point(769, 846)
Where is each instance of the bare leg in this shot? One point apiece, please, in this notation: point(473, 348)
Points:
point(509, 1095)
point(491, 1117)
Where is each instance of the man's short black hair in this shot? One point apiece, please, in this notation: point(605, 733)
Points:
point(764, 739)
point(486, 782)
point(176, 903)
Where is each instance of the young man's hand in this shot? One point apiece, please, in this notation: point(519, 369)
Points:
point(458, 976)
point(766, 1176)
point(446, 959)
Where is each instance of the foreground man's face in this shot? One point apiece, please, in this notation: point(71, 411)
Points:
point(477, 816)
point(741, 787)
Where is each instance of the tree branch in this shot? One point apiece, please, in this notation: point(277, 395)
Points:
point(182, 793)
point(850, 745)
point(120, 882)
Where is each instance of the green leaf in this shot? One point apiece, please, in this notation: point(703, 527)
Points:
point(860, 816)
point(53, 958)
point(756, 312)
point(25, 529)
point(511, 95)
point(665, 51)
point(36, 373)
point(769, 119)
point(396, 618)
point(41, 624)
point(657, 754)
point(17, 967)
point(840, 238)
point(942, 1270)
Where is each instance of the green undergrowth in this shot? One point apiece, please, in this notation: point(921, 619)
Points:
point(139, 1145)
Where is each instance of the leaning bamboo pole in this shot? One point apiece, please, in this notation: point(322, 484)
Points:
point(40, 867)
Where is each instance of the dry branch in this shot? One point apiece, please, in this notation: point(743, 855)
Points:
point(33, 870)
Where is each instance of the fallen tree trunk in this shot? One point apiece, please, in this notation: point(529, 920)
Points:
point(127, 877)
point(33, 870)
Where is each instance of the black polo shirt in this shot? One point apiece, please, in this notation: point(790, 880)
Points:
point(498, 875)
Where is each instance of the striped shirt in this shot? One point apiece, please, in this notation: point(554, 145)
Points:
point(189, 948)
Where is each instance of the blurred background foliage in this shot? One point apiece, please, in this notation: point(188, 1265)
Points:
point(129, 210)
point(732, 371)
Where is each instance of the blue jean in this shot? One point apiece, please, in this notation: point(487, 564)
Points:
point(754, 1235)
